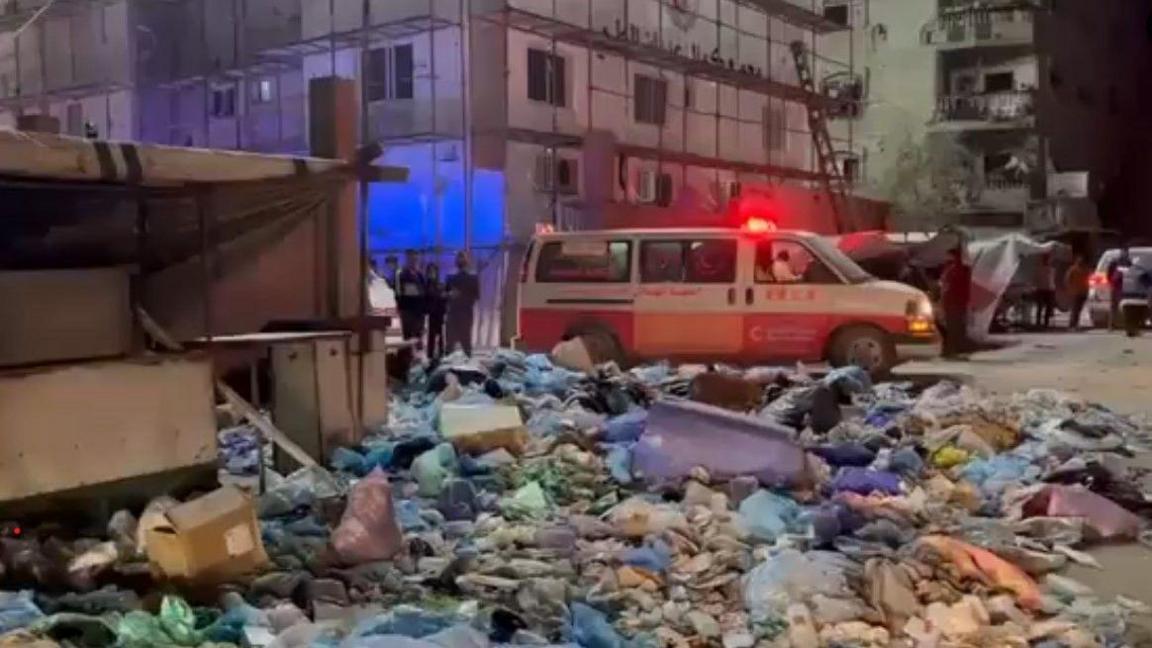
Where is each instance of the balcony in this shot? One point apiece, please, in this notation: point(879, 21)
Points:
point(992, 111)
point(984, 27)
point(1004, 191)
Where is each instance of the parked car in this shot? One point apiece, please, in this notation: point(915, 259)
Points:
point(1100, 292)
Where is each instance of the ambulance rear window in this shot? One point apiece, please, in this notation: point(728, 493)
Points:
point(585, 262)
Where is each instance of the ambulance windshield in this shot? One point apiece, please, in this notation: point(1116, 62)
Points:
point(832, 255)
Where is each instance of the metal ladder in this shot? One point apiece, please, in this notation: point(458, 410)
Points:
point(835, 184)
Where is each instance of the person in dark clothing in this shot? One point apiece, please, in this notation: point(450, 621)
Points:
point(1076, 280)
point(1115, 285)
point(391, 269)
point(436, 304)
point(1045, 292)
point(956, 297)
point(410, 297)
point(463, 292)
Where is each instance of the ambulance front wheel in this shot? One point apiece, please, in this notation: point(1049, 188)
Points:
point(865, 347)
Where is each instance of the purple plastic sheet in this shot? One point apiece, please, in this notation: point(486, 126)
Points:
point(680, 436)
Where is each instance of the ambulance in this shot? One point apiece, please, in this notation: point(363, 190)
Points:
point(741, 295)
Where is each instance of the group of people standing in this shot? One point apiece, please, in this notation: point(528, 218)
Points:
point(442, 310)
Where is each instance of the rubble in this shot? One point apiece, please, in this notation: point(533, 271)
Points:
point(513, 501)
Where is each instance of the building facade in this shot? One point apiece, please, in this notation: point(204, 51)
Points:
point(511, 114)
point(1001, 114)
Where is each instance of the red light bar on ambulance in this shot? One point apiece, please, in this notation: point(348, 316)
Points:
point(759, 226)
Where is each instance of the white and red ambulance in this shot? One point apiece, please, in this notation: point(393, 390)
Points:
point(744, 295)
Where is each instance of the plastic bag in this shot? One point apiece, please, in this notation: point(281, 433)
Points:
point(865, 482)
point(529, 501)
point(766, 515)
point(368, 530)
point(590, 628)
point(626, 427)
point(431, 469)
point(792, 576)
point(17, 610)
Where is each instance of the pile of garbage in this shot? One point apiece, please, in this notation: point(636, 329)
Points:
point(514, 501)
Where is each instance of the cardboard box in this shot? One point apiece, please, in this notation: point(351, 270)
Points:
point(214, 537)
point(476, 429)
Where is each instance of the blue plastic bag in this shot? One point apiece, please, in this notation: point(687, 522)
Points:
point(655, 557)
point(626, 427)
point(590, 628)
point(865, 481)
point(17, 610)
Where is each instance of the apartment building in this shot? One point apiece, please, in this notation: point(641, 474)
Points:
point(993, 114)
point(511, 114)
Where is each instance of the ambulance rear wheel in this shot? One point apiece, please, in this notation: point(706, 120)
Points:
point(865, 347)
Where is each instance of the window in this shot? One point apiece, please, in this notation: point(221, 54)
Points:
point(224, 102)
point(707, 262)
point(262, 91)
point(585, 262)
point(776, 127)
point(661, 262)
point(390, 73)
point(651, 102)
point(837, 13)
point(785, 262)
point(850, 166)
point(546, 80)
point(999, 82)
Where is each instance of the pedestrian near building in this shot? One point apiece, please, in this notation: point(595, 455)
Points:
point(1077, 282)
point(463, 292)
point(435, 301)
point(1045, 292)
point(410, 297)
point(956, 297)
point(391, 269)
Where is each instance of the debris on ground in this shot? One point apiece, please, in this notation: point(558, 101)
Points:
point(511, 500)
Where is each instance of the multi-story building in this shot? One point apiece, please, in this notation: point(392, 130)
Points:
point(969, 115)
point(509, 113)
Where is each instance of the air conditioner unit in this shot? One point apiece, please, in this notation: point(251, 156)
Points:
point(561, 175)
point(544, 176)
point(727, 191)
point(646, 187)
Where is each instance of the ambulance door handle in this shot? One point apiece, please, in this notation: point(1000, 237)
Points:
point(731, 296)
point(749, 296)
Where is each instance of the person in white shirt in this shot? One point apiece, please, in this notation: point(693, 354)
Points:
point(782, 268)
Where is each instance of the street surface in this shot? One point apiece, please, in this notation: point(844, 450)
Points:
point(1107, 368)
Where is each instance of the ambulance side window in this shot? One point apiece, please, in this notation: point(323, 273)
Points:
point(711, 261)
point(707, 261)
point(783, 262)
point(585, 262)
point(661, 262)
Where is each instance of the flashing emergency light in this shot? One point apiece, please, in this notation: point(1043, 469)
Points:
point(759, 226)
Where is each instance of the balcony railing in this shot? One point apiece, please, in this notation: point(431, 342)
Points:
point(995, 107)
point(984, 26)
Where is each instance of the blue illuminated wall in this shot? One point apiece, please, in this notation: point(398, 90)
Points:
point(428, 210)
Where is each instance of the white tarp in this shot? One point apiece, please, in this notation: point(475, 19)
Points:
point(996, 264)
